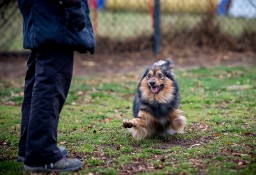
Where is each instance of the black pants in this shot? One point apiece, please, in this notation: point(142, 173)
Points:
point(47, 84)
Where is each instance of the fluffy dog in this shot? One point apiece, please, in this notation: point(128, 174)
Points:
point(156, 103)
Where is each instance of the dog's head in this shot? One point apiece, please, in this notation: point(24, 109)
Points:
point(158, 83)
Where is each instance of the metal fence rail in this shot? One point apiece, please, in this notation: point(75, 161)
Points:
point(117, 22)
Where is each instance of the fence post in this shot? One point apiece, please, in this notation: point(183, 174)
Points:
point(156, 40)
point(95, 16)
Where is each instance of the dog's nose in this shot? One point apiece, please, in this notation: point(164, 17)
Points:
point(152, 83)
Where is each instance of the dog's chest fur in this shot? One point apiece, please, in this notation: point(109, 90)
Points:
point(157, 110)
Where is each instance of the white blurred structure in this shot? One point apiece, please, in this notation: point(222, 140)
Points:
point(243, 8)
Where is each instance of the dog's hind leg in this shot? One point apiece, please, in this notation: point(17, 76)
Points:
point(178, 122)
point(140, 127)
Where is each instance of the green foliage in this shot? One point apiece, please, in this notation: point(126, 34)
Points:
point(220, 136)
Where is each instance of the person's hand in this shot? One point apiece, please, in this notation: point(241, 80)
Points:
point(74, 13)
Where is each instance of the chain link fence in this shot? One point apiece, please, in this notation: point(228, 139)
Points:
point(127, 25)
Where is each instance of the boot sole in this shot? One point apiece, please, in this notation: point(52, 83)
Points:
point(43, 169)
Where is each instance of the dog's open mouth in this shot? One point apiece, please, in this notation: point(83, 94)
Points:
point(156, 89)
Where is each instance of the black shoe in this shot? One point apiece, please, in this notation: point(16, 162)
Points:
point(64, 164)
point(63, 150)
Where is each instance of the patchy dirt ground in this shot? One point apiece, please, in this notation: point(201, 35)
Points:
point(205, 45)
point(14, 65)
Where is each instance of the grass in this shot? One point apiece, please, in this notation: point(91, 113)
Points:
point(219, 104)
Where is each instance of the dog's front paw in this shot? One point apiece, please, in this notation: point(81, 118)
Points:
point(128, 124)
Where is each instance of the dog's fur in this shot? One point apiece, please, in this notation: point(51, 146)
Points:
point(156, 103)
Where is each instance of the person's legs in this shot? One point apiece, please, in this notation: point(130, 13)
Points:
point(25, 110)
point(52, 78)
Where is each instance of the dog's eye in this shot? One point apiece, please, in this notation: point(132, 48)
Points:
point(148, 76)
point(160, 75)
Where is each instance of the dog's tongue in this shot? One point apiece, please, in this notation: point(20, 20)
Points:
point(154, 89)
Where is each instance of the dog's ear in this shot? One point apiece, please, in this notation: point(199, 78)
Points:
point(145, 73)
point(170, 66)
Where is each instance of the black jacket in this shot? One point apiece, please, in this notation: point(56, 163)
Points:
point(57, 23)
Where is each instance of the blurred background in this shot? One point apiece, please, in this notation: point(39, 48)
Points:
point(127, 27)
point(128, 24)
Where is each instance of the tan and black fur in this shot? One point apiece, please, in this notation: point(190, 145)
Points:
point(156, 103)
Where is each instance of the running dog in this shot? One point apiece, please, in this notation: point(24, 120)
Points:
point(156, 103)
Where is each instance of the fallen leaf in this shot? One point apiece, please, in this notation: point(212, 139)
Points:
point(240, 163)
point(239, 87)
point(197, 144)
point(80, 93)
point(63, 142)
point(89, 63)
point(216, 134)
point(11, 103)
